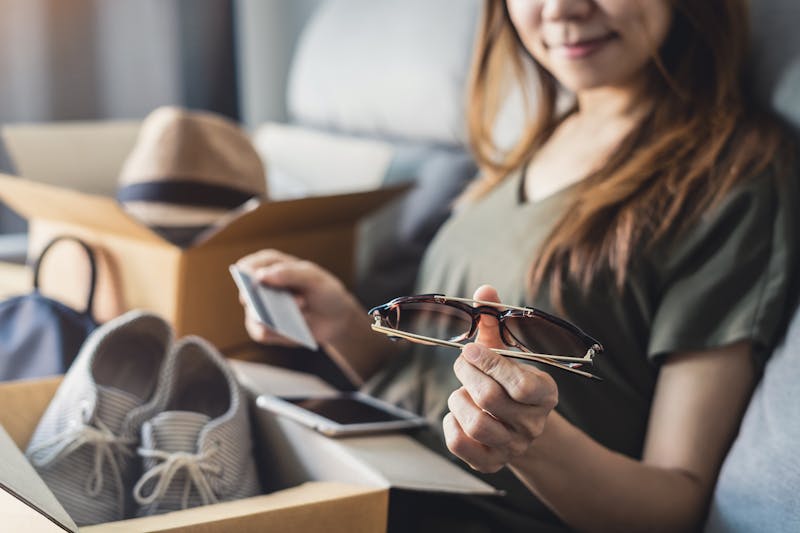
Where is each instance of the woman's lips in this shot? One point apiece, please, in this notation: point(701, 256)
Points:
point(582, 49)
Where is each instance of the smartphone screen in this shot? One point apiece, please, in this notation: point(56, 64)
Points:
point(346, 410)
point(342, 414)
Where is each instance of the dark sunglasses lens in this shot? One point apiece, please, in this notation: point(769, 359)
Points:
point(430, 319)
point(545, 337)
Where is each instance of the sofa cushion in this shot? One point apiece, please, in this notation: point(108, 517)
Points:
point(776, 56)
point(759, 486)
point(394, 68)
point(303, 161)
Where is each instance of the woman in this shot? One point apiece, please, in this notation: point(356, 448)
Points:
point(652, 213)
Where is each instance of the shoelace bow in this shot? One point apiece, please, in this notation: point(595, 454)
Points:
point(195, 465)
point(75, 436)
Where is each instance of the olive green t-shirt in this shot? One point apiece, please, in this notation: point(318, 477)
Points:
point(726, 279)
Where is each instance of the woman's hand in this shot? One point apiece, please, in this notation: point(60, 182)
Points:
point(324, 301)
point(502, 407)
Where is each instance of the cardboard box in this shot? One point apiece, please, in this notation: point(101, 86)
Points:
point(28, 505)
point(190, 287)
point(386, 460)
point(319, 484)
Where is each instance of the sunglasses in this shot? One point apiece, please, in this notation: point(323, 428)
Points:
point(435, 319)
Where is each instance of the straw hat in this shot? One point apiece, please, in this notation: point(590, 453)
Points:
point(189, 169)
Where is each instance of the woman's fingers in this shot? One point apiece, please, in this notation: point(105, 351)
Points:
point(262, 333)
point(523, 383)
point(489, 395)
point(479, 424)
point(500, 410)
point(284, 271)
point(297, 275)
point(263, 258)
point(478, 456)
point(322, 299)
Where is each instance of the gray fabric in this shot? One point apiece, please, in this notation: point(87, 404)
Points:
point(759, 485)
point(392, 68)
point(10, 222)
point(776, 56)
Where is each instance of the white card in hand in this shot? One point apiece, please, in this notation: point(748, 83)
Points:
point(276, 308)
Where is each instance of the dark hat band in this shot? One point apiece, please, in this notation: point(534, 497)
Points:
point(184, 192)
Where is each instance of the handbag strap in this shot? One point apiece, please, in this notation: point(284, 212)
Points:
point(92, 266)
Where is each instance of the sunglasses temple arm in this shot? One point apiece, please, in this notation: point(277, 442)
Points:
point(551, 363)
point(540, 358)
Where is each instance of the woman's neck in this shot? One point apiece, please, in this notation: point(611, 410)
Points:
point(624, 103)
point(583, 141)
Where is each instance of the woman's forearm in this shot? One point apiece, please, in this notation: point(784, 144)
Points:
point(359, 351)
point(594, 489)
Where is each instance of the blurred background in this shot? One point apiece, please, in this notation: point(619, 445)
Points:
point(119, 59)
point(88, 59)
point(389, 70)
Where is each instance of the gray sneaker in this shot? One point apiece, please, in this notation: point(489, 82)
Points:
point(84, 445)
point(198, 449)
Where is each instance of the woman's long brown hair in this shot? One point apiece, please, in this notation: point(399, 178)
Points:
point(702, 137)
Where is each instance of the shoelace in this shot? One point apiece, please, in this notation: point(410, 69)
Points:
point(195, 465)
point(78, 434)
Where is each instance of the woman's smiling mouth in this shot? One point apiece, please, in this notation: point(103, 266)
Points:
point(580, 48)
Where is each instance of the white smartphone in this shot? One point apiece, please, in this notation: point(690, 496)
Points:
point(342, 414)
point(275, 308)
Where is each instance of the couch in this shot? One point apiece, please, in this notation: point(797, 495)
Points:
point(759, 485)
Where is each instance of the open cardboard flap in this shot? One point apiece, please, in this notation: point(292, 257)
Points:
point(32, 199)
point(287, 216)
point(35, 200)
point(390, 460)
point(27, 503)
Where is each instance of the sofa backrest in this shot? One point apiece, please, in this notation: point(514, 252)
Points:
point(775, 64)
point(759, 485)
point(391, 69)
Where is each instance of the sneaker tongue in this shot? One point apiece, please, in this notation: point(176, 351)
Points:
point(113, 405)
point(177, 431)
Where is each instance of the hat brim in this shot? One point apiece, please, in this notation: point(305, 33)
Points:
point(171, 215)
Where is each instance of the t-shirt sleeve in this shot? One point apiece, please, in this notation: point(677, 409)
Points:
point(730, 277)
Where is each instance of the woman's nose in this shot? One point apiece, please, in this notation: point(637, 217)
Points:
point(566, 9)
